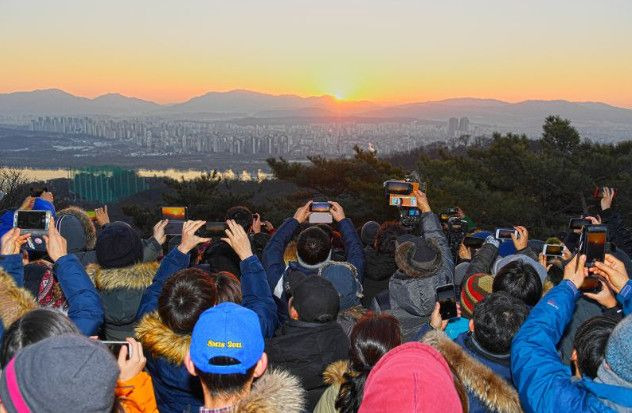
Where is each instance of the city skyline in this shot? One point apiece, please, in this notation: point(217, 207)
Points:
point(384, 52)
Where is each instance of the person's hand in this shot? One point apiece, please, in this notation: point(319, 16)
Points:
point(302, 214)
point(189, 239)
point(27, 204)
point(422, 201)
point(605, 297)
point(55, 243)
point(256, 223)
point(436, 321)
point(594, 220)
point(131, 367)
point(566, 253)
point(12, 241)
point(101, 216)
point(267, 225)
point(159, 231)
point(522, 240)
point(613, 271)
point(544, 262)
point(48, 196)
point(608, 196)
point(337, 212)
point(576, 270)
point(237, 238)
point(465, 253)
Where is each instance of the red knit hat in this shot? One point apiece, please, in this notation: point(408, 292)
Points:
point(477, 287)
point(412, 377)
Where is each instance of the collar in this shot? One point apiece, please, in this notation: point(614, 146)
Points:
point(315, 266)
point(227, 409)
point(473, 345)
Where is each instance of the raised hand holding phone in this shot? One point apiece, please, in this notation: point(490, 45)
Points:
point(302, 213)
point(613, 271)
point(237, 238)
point(101, 216)
point(159, 231)
point(256, 223)
point(55, 244)
point(520, 238)
point(422, 201)
point(131, 361)
point(576, 270)
point(189, 239)
point(337, 212)
point(12, 241)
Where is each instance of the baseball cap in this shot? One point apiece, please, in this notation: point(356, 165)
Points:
point(316, 300)
point(226, 330)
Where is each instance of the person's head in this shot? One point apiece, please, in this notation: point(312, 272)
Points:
point(413, 377)
point(476, 288)
point(619, 350)
point(519, 280)
point(184, 297)
point(228, 287)
point(241, 215)
point(64, 371)
point(314, 300)
point(226, 351)
point(496, 320)
point(77, 228)
point(417, 257)
point(313, 246)
point(368, 232)
point(118, 245)
point(589, 344)
point(371, 337)
point(387, 235)
point(344, 277)
point(34, 326)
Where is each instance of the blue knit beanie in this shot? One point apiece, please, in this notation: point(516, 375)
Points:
point(619, 349)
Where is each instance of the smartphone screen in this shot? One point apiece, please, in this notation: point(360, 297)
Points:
point(32, 220)
point(594, 244)
point(505, 233)
point(591, 284)
point(91, 214)
point(320, 207)
point(446, 296)
point(115, 347)
point(176, 217)
point(553, 250)
point(398, 187)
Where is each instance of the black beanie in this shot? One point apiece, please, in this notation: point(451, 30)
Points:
point(118, 246)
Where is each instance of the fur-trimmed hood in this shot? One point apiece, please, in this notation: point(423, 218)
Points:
point(138, 276)
point(334, 373)
point(89, 229)
point(493, 391)
point(403, 259)
point(14, 301)
point(160, 340)
point(276, 391)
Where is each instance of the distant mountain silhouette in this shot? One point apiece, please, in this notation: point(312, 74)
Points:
point(593, 118)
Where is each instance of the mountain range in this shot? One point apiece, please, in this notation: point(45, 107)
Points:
point(524, 116)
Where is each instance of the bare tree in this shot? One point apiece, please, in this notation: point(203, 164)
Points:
point(13, 184)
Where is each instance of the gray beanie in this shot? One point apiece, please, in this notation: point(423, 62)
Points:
point(67, 373)
point(619, 349)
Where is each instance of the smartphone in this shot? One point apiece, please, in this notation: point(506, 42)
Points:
point(92, 215)
point(176, 216)
point(319, 213)
point(115, 347)
point(591, 284)
point(594, 243)
point(506, 233)
point(578, 223)
point(31, 222)
point(473, 242)
point(214, 229)
point(446, 296)
point(552, 250)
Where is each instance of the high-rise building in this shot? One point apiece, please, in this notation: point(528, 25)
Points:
point(453, 125)
point(464, 124)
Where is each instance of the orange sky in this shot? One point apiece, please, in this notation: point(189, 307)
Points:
point(384, 51)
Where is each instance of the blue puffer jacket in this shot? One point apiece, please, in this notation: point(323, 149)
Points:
point(543, 381)
point(84, 304)
point(175, 389)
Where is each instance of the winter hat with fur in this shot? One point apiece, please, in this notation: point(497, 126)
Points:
point(118, 246)
point(77, 228)
point(417, 257)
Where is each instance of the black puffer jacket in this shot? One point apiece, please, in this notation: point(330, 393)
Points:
point(378, 271)
point(305, 350)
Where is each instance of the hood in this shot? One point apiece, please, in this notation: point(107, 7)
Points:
point(14, 301)
point(160, 340)
point(416, 296)
point(492, 390)
point(43, 205)
point(138, 276)
point(275, 391)
point(378, 266)
point(525, 260)
point(88, 240)
point(403, 256)
point(334, 373)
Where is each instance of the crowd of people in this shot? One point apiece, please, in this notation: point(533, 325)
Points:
point(309, 317)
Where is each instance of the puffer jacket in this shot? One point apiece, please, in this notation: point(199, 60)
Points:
point(543, 381)
point(412, 294)
point(136, 395)
point(121, 290)
point(488, 382)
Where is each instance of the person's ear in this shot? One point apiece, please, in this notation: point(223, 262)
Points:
point(574, 355)
point(471, 325)
point(189, 364)
point(293, 313)
point(262, 365)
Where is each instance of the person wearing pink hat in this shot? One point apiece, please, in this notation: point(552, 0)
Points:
point(413, 377)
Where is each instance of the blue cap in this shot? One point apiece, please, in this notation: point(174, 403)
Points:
point(226, 330)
